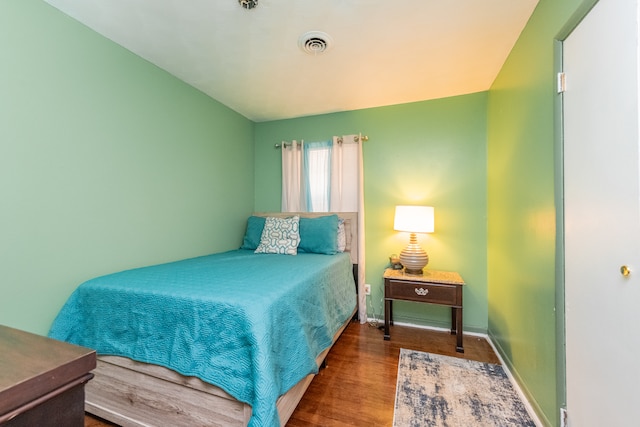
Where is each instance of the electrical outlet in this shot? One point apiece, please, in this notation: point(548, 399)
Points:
point(367, 289)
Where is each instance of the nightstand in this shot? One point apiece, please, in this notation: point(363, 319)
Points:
point(433, 287)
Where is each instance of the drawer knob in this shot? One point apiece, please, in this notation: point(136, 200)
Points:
point(422, 292)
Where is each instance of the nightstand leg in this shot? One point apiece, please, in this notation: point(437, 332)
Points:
point(458, 322)
point(388, 310)
point(454, 321)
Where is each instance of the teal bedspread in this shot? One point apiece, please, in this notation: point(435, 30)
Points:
point(251, 324)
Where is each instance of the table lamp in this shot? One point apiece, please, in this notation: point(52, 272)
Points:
point(414, 219)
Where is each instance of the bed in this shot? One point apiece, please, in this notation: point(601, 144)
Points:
point(228, 339)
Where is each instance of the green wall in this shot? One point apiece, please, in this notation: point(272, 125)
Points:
point(106, 163)
point(524, 228)
point(432, 153)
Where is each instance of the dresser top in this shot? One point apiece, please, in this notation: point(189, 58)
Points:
point(431, 276)
point(32, 365)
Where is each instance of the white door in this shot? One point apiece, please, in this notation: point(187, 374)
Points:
point(602, 217)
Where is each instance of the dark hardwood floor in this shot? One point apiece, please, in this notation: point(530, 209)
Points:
point(357, 386)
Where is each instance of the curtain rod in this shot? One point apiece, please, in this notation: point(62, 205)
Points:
point(365, 138)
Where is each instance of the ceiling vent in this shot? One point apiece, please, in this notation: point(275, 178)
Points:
point(248, 4)
point(314, 42)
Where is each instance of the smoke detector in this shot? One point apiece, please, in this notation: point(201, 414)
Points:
point(314, 42)
point(248, 4)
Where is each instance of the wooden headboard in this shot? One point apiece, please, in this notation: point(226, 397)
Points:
point(350, 227)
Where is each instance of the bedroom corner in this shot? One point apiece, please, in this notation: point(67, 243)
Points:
point(440, 147)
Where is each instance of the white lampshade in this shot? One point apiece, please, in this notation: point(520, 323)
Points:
point(414, 219)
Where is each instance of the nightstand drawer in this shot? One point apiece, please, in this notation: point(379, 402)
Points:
point(433, 293)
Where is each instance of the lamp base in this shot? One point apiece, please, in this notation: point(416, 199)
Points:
point(413, 257)
point(412, 272)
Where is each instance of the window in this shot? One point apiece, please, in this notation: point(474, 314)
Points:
point(321, 176)
point(317, 175)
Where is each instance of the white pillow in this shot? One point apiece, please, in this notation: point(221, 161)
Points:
point(342, 237)
point(280, 236)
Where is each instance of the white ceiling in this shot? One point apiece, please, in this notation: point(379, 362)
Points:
point(384, 52)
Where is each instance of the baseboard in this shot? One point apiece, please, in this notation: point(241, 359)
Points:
point(473, 333)
point(516, 385)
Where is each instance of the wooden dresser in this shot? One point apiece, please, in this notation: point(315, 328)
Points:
point(42, 380)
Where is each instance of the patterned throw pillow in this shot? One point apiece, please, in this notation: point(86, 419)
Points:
point(280, 236)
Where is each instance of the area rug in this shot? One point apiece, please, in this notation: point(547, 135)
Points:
point(443, 391)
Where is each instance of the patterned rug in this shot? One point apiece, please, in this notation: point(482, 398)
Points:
point(443, 391)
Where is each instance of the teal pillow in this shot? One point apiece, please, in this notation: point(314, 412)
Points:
point(255, 225)
point(319, 235)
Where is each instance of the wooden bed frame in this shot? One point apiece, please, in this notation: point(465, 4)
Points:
point(131, 393)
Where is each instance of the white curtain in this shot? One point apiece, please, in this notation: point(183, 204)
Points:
point(347, 195)
point(344, 174)
point(293, 198)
